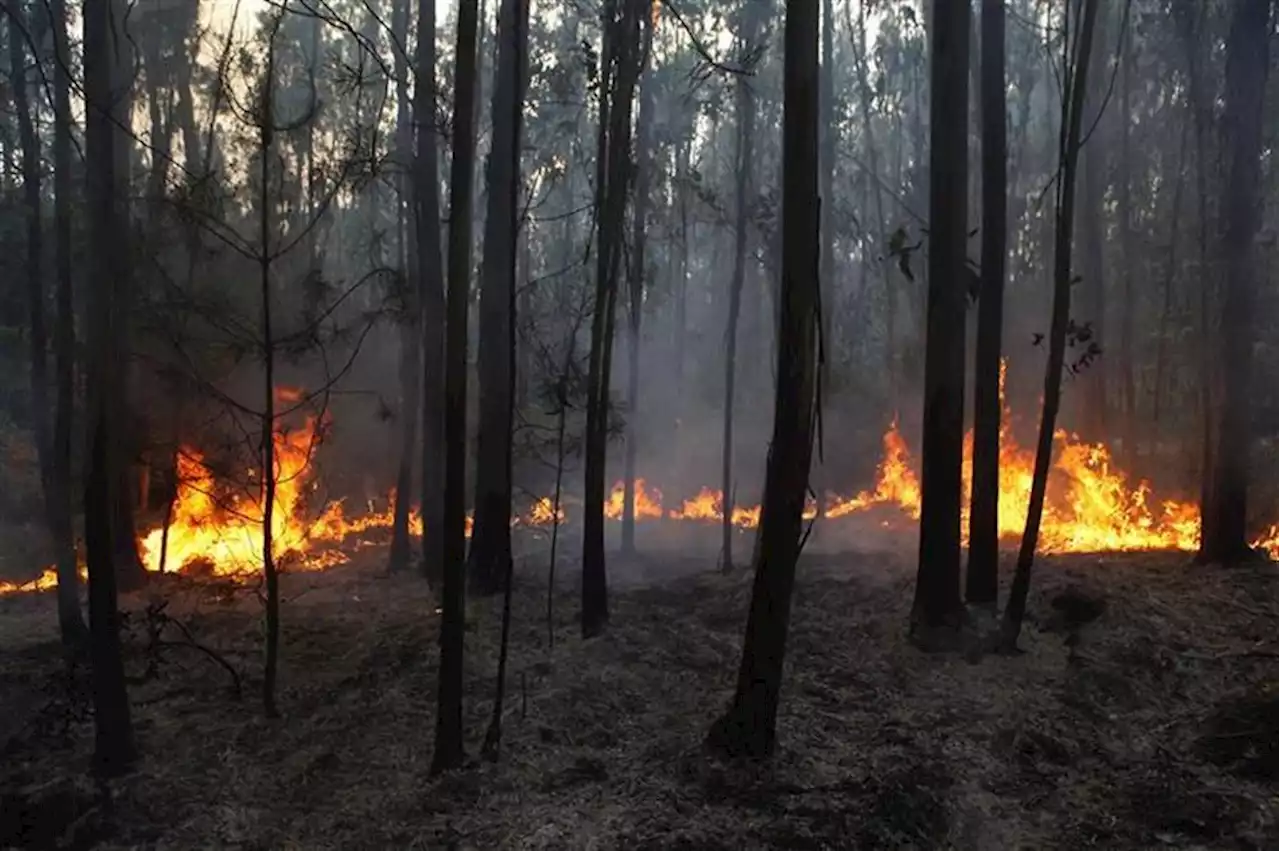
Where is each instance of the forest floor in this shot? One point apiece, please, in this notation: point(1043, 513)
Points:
point(1159, 729)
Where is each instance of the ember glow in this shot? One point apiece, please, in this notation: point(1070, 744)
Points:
point(1091, 507)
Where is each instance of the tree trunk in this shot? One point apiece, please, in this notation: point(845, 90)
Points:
point(490, 559)
point(39, 342)
point(426, 209)
point(827, 133)
point(982, 579)
point(1095, 419)
point(877, 194)
point(410, 331)
point(1077, 77)
point(114, 750)
point(449, 748)
point(129, 439)
point(267, 464)
point(636, 280)
point(622, 33)
point(1246, 83)
point(1124, 212)
point(749, 725)
point(70, 622)
point(937, 597)
point(742, 188)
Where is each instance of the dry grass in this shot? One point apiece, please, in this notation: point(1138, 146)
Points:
point(1158, 730)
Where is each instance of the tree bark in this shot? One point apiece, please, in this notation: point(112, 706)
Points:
point(426, 209)
point(937, 596)
point(1095, 419)
point(114, 749)
point(982, 579)
point(748, 727)
point(1124, 212)
point(742, 187)
point(449, 748)
point(70, 621)
point(1077, 77)
point(1225, 539)
point(636, 281)
point(622, 67)
point(54, 471)
point(490, 558)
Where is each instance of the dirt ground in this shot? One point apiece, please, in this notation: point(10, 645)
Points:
point(1157, 728)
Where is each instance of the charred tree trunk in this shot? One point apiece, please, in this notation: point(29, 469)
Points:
point(518, 33)
point(426, 216)
point(636, 281)
point(54, 474)
point(410, 325)
point(129, 440)
point(70, 622)
point(1224, 539)
point(449, 747)
point(114, 750)
point(490, 559)
point(827, 133)
point(32, 263)
point(1077, 81)
point(742, 187)
point(937, 596)
point(1124, 212)
point(749, 725)
point(622, 66)
point(1202, 114)
point(267, 448)
point(1095, 419)
point(982, 579)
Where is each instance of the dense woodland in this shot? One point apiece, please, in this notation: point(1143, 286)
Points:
point(508, 371)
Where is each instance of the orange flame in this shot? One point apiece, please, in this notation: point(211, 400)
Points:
point(1091, 507)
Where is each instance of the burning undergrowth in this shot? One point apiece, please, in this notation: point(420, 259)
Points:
point(214, 526)
point(1152, 727)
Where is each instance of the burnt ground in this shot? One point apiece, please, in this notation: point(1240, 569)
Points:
point(1157, 729)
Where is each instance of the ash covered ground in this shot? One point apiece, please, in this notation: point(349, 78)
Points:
point(1155, 726)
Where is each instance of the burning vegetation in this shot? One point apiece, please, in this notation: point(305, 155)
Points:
point(1094, 508)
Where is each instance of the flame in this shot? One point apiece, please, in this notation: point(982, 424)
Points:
point(1091, 506)
point(648, 502)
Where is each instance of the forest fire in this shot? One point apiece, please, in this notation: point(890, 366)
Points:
point(1092, 507)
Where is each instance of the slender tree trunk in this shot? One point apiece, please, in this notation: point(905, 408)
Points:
point(682, 283)
point(636, 280)
point(623, 21)
point(748, 727)
point(266, 435)
point(114, 749)
point(129, 439)
point(1077, 76)
point(877, 194)
point(410, 326)
point(1225, 539)
point(449, 747)
point(742, 188)
point(1166, 289)
point(1095, 424)
point(519, 46)
point(426, 207)
point(1124, 211)
point(32, 263)
point(982, 579)
point(937, 597)
point(828, 132)
point(1202, 113)
point(70, 622)
point(491, 536)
